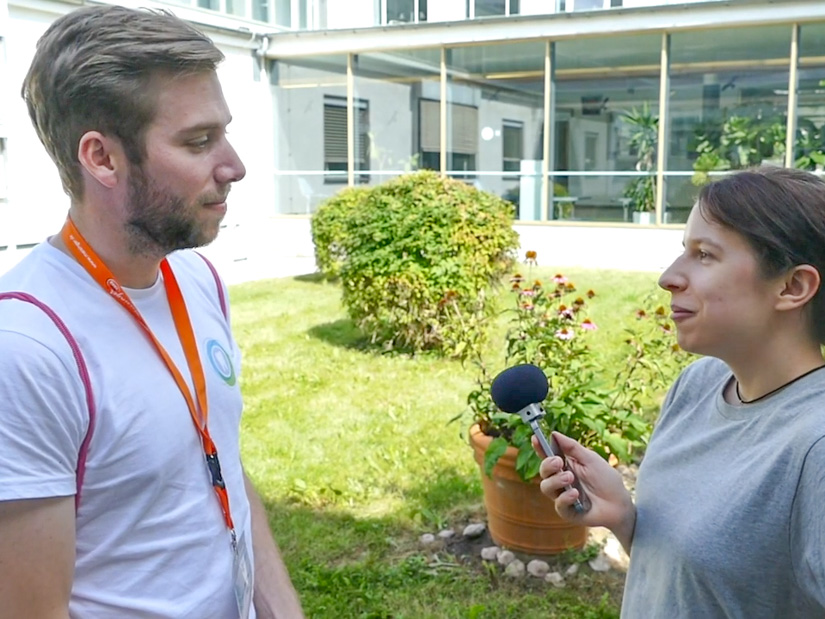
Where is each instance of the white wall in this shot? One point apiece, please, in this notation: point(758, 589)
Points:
point(351, 13)
point(37, 205)
point(446, 10)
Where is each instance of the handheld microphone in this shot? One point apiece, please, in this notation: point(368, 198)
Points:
point(520, 390)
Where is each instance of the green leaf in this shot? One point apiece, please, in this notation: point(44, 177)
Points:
point(527, 463)
point(494, 452)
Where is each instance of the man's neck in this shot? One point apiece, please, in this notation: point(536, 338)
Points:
point(130, 270)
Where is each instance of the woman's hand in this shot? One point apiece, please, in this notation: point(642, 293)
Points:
point(612, 505)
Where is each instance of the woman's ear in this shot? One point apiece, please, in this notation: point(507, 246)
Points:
point(101, 157)
point(801, 283)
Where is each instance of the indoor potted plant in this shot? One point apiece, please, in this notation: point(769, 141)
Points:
point(549, 328)
point(641, 191)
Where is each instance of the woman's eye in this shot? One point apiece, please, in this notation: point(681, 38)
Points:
point(703, 255)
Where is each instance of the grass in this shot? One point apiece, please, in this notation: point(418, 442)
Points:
point(354, 456)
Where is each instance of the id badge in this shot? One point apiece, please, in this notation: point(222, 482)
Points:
point(242, 577)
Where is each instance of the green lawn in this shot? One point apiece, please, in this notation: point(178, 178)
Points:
point(354, 456)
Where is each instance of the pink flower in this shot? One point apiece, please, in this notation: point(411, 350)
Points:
point(560, 279)
point(588, 325)
point(565, 334)
point(528, 293)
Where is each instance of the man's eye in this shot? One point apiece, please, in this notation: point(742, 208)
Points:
point(200, 142)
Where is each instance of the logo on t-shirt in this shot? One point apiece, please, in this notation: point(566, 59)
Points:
point(221, 361)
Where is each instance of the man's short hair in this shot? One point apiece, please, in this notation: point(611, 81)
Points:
point(91, 72)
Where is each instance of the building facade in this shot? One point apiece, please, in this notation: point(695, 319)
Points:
point(597, 119)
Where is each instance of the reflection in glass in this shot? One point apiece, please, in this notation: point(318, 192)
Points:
point(810, 104)
point(485, 8)
point(404, 11)
point(606, 123)
point(397, 87)
point(236, 7)
point(495, 112)
point(728, 107)
point(260, 10)
point(283, 13)
point(310, 97)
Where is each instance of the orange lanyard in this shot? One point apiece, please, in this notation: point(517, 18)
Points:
point(87, 257)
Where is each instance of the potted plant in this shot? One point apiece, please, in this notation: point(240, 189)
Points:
point(548, 327)
point(641, 191)
point(738, 142)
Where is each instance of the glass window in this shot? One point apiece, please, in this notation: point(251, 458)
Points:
point(485, 8)
point(494, 121)
point(260, 10)
point(512, 146)
point(307, 156)
point(335, 138)
point(213, 5)
point(399, 85)
point(728, 107)
point(605, 130)
point(585, 5)
point(236, 7)
point(810, 103)
point(400, 11)
point(303, 14)
point(283, 13)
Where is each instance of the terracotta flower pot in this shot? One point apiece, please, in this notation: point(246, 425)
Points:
point(519, 516)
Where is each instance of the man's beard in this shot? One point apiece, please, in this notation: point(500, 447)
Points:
point(160, 222)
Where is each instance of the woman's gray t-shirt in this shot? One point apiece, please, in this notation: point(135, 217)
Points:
point(731, 504)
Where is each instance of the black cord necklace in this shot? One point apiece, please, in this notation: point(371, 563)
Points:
point(791, 382)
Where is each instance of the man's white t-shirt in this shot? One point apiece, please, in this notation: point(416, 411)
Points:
point(151, 538)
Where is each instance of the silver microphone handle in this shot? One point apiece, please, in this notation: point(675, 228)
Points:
point(579, 506)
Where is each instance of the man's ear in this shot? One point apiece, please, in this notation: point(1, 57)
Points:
point(102, 158)
point(801, 283)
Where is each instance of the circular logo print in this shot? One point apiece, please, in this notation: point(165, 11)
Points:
point(221, 361)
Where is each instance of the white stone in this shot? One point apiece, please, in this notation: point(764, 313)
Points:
point(474, 530)
point(505, 557)
point(490, 553)
point(555, 579)
point(600, 563)
point(446, 533)
point(428, 539)
point(615, 554)
point(515, 569)
point(538, 568)
point(572, 570)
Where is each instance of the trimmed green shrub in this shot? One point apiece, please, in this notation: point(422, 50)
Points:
point(420, 253)
point(329, 228)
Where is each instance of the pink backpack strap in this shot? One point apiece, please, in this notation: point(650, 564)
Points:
point(218, 284)
point(84, 377)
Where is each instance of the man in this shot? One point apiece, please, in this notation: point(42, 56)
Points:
point(122, 492)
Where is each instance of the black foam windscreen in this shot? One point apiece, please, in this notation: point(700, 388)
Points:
point(518, 387)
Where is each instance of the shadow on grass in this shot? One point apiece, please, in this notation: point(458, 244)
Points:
point(347, 567)
point(341, 333)
point(311, 278)
point(346, 334)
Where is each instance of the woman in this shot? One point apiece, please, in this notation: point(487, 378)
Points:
point(728, 519)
